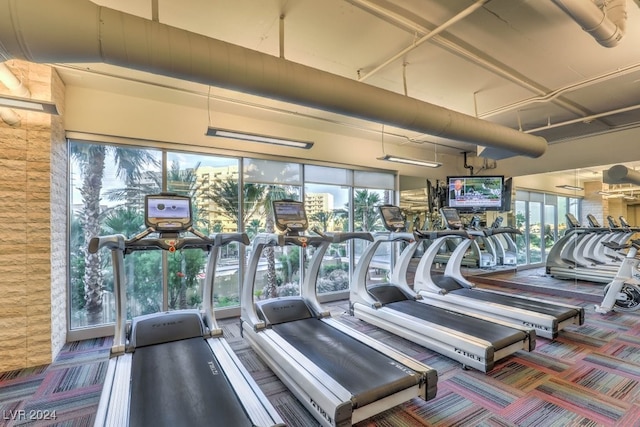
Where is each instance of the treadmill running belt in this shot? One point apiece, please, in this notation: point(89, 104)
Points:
point(558, 311)
point(499, 336)
point(368, 374)
point(180, 383)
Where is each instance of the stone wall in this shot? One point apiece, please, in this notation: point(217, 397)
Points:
point(33, 272)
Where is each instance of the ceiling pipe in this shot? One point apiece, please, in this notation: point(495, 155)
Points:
point(41, 31)
point(10, 117)
point(620, 174)
point(606, 25)
point(15, 86)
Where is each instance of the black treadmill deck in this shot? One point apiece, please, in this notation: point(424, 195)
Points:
point(499, 336)
point(180, 383)
point(368, 374)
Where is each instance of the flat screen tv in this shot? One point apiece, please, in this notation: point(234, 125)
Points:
point(475, 193)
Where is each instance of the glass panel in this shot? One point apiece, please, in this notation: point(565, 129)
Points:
point(366, 216)
point(108, 185)
point(270, 172)
point(328, 210)
point(535, 232)
point(562, 212)
point(327, 175)
point(279, 268)
point(212, 184)
point(365, 208)
point(381, 180)
point(521, 224)
point(550, 229)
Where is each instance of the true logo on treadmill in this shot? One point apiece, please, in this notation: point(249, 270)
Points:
point(321, 411)
point(535, 326)
point(402, 368)
point(213, 368)
point(469, 355)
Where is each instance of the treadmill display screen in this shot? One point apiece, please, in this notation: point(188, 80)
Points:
point(168, 212)
point(392, 218)
point(572, 222)
point(289, 215)
point(451, 218)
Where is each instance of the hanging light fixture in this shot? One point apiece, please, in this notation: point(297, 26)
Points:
point(570, 187)
point(252, 137)
point(405, 160)
point(408, 161)
point(28, 104)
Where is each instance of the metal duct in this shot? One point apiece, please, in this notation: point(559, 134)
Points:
point(620, 174)
point(606, 26)
point(79, 31)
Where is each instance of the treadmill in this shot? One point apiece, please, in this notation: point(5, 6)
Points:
point(473, 340)
point(452, 289)
point(174, 368)
point(340, 375)
point(506, 250)
point(564, 261)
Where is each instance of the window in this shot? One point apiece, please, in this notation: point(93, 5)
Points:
point(541, 219)
point(108, 185)
point(328, 204)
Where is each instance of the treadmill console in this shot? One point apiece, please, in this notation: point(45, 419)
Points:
point(290, 216)
point(593, 222)
point(572, 221)
point(392, 218)
point(168, 212)
point(451, 218)
point(624, 222)
point(497, 223)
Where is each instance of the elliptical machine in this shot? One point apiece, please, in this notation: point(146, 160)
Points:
point(623, 292)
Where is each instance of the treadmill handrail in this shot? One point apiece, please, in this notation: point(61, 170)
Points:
point(118, 242)
point(501, 230)
point(434, 234)
point(340, 236)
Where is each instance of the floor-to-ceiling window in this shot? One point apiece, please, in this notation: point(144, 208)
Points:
point(265, 181)
point(541, 219)
point(107, 188)
point(327, 194)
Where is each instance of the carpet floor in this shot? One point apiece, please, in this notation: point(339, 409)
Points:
point(588, 376)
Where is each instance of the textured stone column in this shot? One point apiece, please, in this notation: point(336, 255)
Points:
point(33, 200)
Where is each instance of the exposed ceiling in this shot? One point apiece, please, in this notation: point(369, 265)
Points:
point(525, 64)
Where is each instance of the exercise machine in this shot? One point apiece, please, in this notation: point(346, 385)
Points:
point(564, 260)
point(623, 292)
point(506, 250)
point(452, 289)
point(474, 341)
point(175, 368)
point(340, 375)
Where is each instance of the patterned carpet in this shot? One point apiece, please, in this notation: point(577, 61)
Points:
point(589, 376)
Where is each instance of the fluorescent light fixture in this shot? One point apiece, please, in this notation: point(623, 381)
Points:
point(252, 137)
point(28, 104)
point(570, 187)
point(602, 193)
point(414, 162)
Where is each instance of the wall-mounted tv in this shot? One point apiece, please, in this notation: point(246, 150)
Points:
point(475, 193)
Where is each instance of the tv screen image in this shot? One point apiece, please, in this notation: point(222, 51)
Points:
point(475, 193)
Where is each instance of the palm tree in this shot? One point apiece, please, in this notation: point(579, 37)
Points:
point(365, 215)
point(323, 218)
point(253, 227)
point(226, 195)
point(129, 164)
